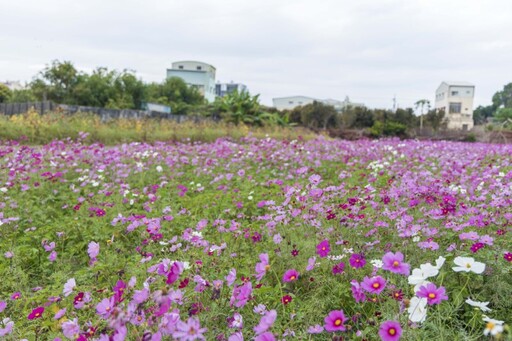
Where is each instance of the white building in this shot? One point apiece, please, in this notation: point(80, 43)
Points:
point(223, 89)
point(456, 100)
point(13, 85)
point(290, 102)
point(197, 74)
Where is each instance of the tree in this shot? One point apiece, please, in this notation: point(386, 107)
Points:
point(481, 113)
point(435, 119)
point(319, 115)
point(175, 93)
point(57, 82)
point(422, 104)
point(5, 93)
point(240, 107)
point(503, 98)
point(503, 114)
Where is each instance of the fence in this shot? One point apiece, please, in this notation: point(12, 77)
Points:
point(20, 108)
point(105, 114)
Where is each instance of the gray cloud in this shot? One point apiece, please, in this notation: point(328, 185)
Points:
point(368, 50)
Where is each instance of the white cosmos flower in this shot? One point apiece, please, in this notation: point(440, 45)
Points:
point(439, 262)
point(493, 327)
point(468, 264)
point(481, 305)
point(69, 286)
point(417, 309)
point(377, 263)
point(159, 169)
point(419, 276)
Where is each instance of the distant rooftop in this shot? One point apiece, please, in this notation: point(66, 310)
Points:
point(458, 83)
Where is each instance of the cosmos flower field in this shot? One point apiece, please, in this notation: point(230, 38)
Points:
point(256, 239)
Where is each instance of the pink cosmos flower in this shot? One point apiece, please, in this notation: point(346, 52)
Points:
point(16, 295)
point(311, 264)
point(290, 275)
point(508, 257)
point(374, 285)
point(105, 307)
point(48, 246)
point(59, 314)
point(36, 313)
point(433, 294)
point(71, 329)
point(93, 250)
point(390, 331)
point(262, 267)
point(335, 321)
point(323, 248)
point(231, 277)
point(236, 337)
point(357, 291)
point(8, 325)
point(3, 304)
point(357, 260)
point(268, 336)
point(175, 272)
point(189, 331)
point(69, 286)
point(241, 295)
point(266, 322)
point(53, 256)
point(338, 268)
point(394, 262)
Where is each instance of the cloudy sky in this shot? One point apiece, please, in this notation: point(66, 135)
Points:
point(369, 50)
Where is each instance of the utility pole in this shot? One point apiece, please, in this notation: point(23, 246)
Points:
point(394, 102)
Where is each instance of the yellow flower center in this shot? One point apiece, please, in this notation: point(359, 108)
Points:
point(392, 331)
point(431, 295)
point(37, 314)
point(376, 285)
point(468, 265)
point(337, 322)
point(267, 267)
point(395, 264)
point(292, 278)
point(490, 325)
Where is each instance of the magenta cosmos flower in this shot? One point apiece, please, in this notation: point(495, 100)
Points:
point(394, 262)
point(36, 313)
point(335, 321)
point(390, 331)
point(323, 248)
point(433, 294)
point(357, 260)
point(290, 275)
point(374, 285)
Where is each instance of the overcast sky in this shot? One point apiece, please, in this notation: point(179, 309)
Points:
point(367, 50)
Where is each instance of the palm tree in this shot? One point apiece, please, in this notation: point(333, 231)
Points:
point(421, 104)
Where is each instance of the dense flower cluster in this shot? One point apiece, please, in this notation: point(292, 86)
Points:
point(254, 240)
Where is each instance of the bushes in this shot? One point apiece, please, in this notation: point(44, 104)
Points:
point(388, 128)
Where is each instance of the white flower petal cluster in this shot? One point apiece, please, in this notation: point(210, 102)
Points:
point(493, 327)
point(468, 264)
point(481, 305)
point(417, 309)
point(419, 276)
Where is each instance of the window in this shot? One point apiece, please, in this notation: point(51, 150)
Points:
point(180, 67)
point(290, 102)
point(455, 93)
point(198, 67)
point(455, 108)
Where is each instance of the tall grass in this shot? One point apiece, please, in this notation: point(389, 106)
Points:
point(33, 128)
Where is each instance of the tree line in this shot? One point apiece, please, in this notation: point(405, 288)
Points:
point(62, 83)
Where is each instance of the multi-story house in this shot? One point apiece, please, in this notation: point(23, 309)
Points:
point(223, 89)
point(456, 100)
point(196, 74)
